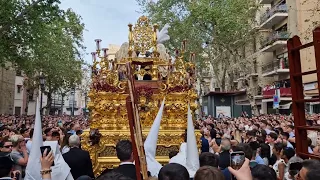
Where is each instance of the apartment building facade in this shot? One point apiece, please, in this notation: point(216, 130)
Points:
point(277, 21)
point(7, 87)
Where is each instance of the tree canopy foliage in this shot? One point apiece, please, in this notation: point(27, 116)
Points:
point(215, 29)
point(38, 36)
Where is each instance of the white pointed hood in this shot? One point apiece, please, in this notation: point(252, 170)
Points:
point(61, 170)
point(33, 167)
point(150, 145)
point(188, 155)
point(192, 160)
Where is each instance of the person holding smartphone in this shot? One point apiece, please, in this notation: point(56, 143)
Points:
point(46, 162)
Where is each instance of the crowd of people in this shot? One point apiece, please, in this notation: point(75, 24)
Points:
point(267, 142)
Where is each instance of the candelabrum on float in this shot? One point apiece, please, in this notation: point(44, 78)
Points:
point(167, 76)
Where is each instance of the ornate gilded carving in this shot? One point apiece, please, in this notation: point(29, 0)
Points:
point(143, 36)
point(103, 155)
point(108, 95)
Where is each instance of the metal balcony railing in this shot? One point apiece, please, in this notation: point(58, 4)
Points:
point(276, 36)
point(273, 66)
point(56, 102)
point(277, 9)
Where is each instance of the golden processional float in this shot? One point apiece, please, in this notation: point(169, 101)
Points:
point(109, 90)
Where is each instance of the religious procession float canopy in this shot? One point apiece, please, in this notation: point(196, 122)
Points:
point(157, 76)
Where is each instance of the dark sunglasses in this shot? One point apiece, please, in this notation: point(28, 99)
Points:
point(9, 146)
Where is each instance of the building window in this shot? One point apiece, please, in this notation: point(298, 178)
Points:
point(19, 87)
point(30, 96)
point(18, 73)
point(17, 111)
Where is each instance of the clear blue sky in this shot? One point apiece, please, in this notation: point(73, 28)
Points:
point(104, 19)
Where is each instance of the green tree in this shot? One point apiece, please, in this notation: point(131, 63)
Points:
point(216, 30)
point(37, 36)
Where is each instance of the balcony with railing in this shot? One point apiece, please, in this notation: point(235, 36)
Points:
point(274, 16)
point(56, 103)
point(276, 40)
point(284, 92)
point(73, 106)
point(275, 67)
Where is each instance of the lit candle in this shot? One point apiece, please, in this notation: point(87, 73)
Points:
point(93, 56)
point(105, 52)
point(98, 44)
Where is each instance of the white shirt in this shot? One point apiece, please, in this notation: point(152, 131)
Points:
point(29, 145)
point(65, 149)
point(289, 145)
point(122, 163)
point(268, 131)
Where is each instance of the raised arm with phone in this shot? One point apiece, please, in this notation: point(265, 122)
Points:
point(46, 162)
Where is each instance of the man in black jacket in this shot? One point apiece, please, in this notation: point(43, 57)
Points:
point(78, 160)
point(125, 155)
point(6, 166)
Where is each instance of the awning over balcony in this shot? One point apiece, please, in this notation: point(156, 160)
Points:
point(284, 92)
point(274, 46)
point(278, 71)
point(266, 1)
point(274, 16)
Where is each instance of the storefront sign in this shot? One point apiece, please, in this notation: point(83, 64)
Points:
point(223, 111)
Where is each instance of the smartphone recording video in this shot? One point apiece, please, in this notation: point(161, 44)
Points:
point(43, 148)
point(237, 159)
point(218, 141)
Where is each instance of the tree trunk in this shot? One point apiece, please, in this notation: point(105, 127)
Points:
point(255, 109)
point(251, 91)
point(231, 79)
point(223, 78)
point(49, 103)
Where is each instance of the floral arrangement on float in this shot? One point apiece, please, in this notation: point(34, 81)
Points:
point(178, 88)
point(104, 87)
point(144, 91)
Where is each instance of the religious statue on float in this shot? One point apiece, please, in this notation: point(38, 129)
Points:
point(156, 75)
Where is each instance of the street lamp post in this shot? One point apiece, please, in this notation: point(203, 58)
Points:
point(42, 83)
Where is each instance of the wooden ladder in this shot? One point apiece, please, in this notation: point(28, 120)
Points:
point(298, 100)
